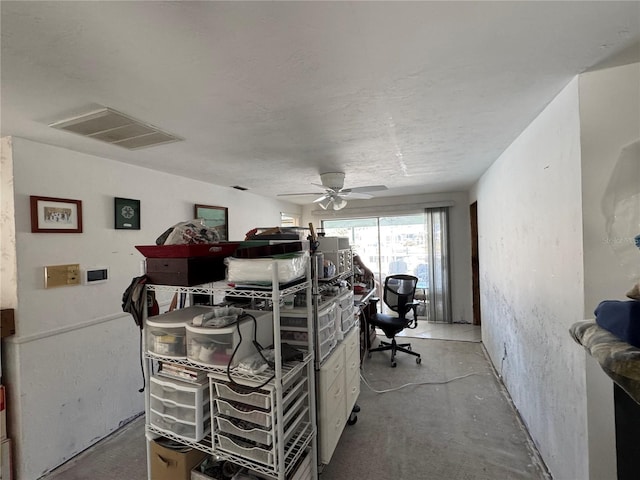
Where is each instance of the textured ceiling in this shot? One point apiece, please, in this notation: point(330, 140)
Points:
point(419, 96)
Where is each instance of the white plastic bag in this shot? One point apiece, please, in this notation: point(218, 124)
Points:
point(260, 270)
point(192, 232)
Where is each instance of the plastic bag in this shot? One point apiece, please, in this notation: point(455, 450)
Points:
point(189, 233)
point(218, 317)
point(256, 363)
point(260, 270)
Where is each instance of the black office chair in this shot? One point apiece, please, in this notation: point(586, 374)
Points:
point(398, 295)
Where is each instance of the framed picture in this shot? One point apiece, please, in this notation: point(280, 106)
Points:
point(55, 215)
point(214, 217)
point(127, 213)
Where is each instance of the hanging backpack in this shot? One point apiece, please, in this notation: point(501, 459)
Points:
point(133, 300)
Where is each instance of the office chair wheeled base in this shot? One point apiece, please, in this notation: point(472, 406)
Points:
point(395, 347)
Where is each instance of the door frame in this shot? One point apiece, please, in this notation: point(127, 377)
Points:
point(475, 263)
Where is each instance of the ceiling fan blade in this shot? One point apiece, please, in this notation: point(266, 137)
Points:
point(296, 194)
point(355, 195)
point(370, 188)
point(319, 199)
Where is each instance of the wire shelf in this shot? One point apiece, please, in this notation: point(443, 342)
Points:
point(289, 369)
point(293, 450)
point(223, 287)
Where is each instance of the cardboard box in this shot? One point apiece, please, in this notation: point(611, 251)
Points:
point(169, 464)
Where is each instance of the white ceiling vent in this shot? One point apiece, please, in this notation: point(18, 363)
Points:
point(115, 128)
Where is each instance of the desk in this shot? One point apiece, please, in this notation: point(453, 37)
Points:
point(367, 303)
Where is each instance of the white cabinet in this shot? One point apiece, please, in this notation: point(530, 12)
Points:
point(338, 389)
point(268, 423)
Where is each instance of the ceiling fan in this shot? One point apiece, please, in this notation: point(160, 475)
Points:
point(336, 195)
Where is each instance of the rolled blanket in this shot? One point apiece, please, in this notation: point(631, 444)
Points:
point(622, 318)
point(618, 359)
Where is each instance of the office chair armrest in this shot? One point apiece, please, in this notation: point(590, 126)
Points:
point(413, 306)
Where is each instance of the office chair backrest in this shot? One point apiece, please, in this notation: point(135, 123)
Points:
point(399, 291)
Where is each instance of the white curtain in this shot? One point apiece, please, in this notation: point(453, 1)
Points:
point(438, 298)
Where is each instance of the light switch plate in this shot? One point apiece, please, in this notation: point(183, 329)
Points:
point(62, 275)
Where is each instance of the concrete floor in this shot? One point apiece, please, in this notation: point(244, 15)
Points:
point(463, 332)
point(466, 429)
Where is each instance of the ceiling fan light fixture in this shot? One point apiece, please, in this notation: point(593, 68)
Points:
point(324, 203)
point(339, 203)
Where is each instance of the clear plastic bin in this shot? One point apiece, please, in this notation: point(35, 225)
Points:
point(327, 346)
point(181, 412)
point(183, 393)
point(191, 431)
point(166, 333)
point(215, 346)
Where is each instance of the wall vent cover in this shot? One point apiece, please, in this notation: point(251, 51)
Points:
point(115, 128)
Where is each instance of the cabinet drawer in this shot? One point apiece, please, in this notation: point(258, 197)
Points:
point(333, 367)
point(352, 390)
point(352, 364)
point(329, 431)
point(352, 342)
point(334, 397)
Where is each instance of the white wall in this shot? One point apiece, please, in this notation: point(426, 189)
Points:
point(610, 125)
point(531, 277)
point(610, 138)
point(72, 368)
point(459, 234)
point(8, 267)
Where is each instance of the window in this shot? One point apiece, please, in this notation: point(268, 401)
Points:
point(414, 244)
point(289, 220)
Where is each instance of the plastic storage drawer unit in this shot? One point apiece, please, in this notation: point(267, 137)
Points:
point(183, 393)
point(215, 346)
point(186, 413)
point(194, 431)
point(180, 408)
point(166, 333)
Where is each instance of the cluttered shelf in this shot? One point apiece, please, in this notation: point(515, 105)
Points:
point(244, 290)
point(189, 347)
point(289, 369)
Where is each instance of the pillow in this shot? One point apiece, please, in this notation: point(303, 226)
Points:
point(622, 318)
point(634, 293)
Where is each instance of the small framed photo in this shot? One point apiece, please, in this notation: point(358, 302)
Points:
point(214, 217)
point(55, 215)
point(127, 213)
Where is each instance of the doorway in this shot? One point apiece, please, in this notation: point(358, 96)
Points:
point(415, 244)
point(475, 263)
